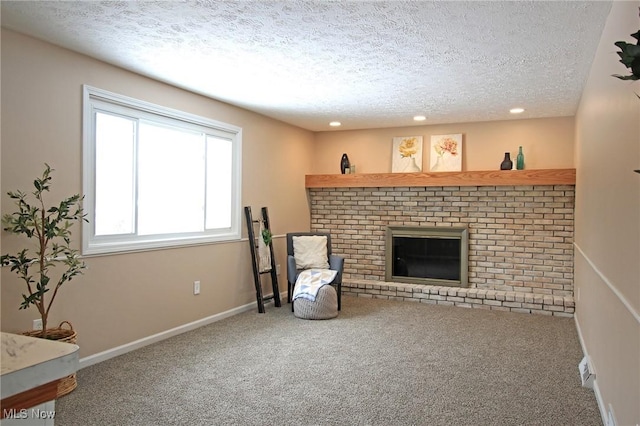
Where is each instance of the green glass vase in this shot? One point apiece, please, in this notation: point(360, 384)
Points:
point(520, 160)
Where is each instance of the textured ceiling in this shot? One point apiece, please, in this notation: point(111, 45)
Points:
point(367, 64)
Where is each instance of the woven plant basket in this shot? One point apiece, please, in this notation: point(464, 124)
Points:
point(66, 335)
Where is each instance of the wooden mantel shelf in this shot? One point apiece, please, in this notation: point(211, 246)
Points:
point(472, 178)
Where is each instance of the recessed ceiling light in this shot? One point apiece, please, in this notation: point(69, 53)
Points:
point(335, 124)
point(419, 118)
point(516, 110)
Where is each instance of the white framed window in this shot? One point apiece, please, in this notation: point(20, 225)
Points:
point(156, 177)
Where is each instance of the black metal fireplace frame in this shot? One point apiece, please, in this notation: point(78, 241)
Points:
point(428, 232)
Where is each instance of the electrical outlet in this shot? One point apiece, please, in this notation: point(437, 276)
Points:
point(278, 269)
point(37, 324)
point(196, 287)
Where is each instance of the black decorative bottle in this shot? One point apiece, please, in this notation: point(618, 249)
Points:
point(506, 164)
point(344, 163)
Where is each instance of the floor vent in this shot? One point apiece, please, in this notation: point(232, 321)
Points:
point(586, 375)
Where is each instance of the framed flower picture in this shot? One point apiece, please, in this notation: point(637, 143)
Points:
point(446, 153)
point(406, 156)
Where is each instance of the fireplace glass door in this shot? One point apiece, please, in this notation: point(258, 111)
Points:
point(427, 255)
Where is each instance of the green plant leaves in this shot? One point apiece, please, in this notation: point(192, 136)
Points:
point(266, 236)
point(51, 227)
point(630, 57)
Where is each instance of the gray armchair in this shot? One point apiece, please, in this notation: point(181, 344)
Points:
point(336, 263)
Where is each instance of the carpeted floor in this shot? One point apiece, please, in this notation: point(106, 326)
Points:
point(379, 362)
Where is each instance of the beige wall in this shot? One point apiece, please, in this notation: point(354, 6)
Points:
point(126, 297)
point(547, 143)
point(607, 235)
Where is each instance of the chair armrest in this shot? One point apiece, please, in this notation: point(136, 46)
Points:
point(291, 269)
point(336, 263)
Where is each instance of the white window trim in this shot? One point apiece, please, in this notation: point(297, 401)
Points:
point(94, 246)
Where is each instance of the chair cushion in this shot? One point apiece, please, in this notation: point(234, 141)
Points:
point(324, 307)
point(310, 251)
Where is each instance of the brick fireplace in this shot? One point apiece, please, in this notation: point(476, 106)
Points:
point(520, 254)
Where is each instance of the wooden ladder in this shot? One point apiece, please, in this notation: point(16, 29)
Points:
point(253, 243)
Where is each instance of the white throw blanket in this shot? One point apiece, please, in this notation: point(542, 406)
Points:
point(310, 281)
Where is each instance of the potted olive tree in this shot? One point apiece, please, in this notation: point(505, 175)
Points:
point(49, 261)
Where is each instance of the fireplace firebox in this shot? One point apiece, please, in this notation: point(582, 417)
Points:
point(427, 255)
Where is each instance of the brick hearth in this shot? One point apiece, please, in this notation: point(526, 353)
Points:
point(520, 241)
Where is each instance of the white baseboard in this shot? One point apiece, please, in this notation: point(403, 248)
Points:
point(596, 389)
point(145, 341)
